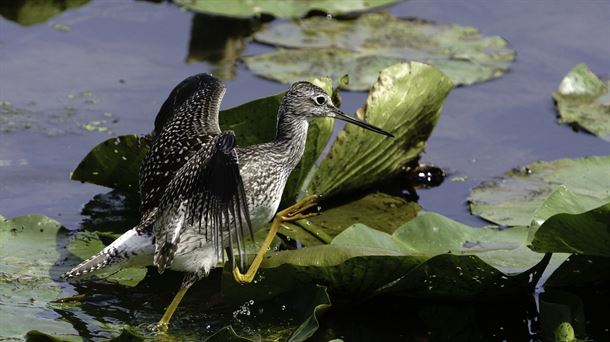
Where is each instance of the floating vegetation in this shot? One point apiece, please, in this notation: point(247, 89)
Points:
point(363, 46)
point(284, 9)
point(583, 101)
point(513, 199)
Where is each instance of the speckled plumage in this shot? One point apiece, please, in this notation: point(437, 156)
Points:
point(201, 193)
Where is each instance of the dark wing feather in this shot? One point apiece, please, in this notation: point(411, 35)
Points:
point(205, 200)
point(187, 120)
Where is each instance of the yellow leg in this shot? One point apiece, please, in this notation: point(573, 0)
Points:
point(169, 312)
point(292, 213)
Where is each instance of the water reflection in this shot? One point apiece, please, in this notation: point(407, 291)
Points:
point(220, 41)
point(31, 12)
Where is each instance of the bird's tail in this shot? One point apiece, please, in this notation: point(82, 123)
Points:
point(134, 248)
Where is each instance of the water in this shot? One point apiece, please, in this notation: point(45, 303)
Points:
point(123, 58)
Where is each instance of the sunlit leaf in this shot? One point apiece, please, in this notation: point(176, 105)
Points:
point(513, 199)
point(285, 9)
point(430, 256)
point(586, 233)
point(379, 211)
point(583, 100)
point(406, 101)
point(363, 46)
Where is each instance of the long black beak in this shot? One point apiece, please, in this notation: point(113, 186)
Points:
point(337, 114)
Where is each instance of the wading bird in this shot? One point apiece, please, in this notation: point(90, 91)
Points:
point(201, 193)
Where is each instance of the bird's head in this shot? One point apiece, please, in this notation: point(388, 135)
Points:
point(307, 101)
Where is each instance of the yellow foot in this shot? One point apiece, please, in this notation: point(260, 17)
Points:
point(161, 327)
point(293, 213)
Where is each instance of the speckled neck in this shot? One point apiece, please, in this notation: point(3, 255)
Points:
point(291, 136)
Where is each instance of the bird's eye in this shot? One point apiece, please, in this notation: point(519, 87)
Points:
point(320, 100)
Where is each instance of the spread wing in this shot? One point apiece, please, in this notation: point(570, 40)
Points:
point(187, 120)
point(205, 203)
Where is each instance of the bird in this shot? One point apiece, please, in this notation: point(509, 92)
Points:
point(201, 193)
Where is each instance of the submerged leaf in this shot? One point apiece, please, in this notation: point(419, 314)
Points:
point(406, 101)
point(284, 9)
point(583, 100)
point(514, 199)
point(361, 47)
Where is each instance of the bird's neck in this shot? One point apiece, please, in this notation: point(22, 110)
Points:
point(291, 138)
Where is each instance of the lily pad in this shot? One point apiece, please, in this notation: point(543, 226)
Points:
point(115, 163)
point(30, 12)
point(429, 256)
point(587, 233)
point(29, 255)
point(378, 210)
point(514, 199)
point(406, 100)
point(583, 100)
point(363, 46)
point(283, 9)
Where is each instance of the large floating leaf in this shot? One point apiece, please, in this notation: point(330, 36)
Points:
point(513, 200)
point(115, 163)
point(363, 46)
point(583, 100)
point(406, 101)
point(29, 251)
point(429, 256)
point(586, 233)
point(379, 211)
point(285, 8)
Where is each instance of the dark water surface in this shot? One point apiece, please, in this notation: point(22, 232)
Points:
point(120, 59)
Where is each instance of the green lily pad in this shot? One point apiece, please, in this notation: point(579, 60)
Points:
point(514, 199)
point(430, 255)
point(361, 47)
point(30, 12)
point(583, 100)
point(379, 211)
point(30, 248)
point(562, 201)
point(586, 233)
point(283, 9)
point(406, 101)
point(115, 163)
